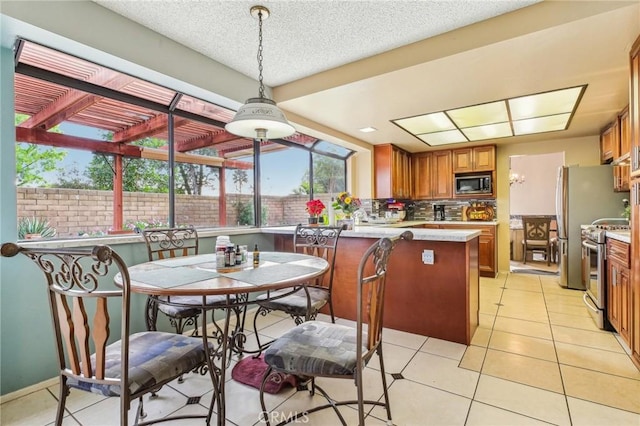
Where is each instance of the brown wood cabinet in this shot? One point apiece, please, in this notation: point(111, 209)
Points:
point(635, 272)
point(624, 124)
point(621, 177)
point(609, 143)
point(619, 288)
point(487, 245)
point(634, 107)
point(432, 177)
point(392, 172)
point(476, 159)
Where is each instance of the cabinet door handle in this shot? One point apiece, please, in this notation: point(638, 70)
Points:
point(615, 276)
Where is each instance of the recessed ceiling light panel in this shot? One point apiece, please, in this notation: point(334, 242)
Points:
point(443, 138)
point(489, 131)
point(543, 104)
point(536, 113)
point(541, 124)
point(368, 129)
point(479, 115)
point(428, 123)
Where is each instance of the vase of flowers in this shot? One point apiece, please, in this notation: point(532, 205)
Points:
point(348, 204)
point(314, 208)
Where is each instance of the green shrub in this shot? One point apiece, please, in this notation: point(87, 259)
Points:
point(35, 225)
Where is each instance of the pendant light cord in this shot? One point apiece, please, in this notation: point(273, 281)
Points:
point(261, 89)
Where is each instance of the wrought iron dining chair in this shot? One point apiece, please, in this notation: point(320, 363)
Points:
point(537, 236)
point(304, 302)
point(321, 349)
point(182, 311)
point(83, 301)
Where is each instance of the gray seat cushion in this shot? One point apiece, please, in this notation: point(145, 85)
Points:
point(184, 311)
point(315, 348)
point(154, 357)
point(295, 303)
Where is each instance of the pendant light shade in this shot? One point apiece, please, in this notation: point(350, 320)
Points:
point(260, 118)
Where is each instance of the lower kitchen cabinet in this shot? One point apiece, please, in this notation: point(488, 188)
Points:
point(487, 245)
point(619, 306)
point(635, 271)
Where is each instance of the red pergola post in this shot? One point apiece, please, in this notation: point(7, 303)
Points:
point(117, 193)
point(222, 203)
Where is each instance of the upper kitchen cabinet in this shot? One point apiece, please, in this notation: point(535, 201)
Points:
point(392, 172)
point(432, 176)
point(609, 143)
point(477, 159)
point(625, 132)
point(634, 108)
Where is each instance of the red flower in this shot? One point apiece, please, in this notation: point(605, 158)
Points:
point(315, 207)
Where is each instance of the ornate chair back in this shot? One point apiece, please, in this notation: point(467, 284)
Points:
point(321, 242)
point(537, 235)
point(164, 243)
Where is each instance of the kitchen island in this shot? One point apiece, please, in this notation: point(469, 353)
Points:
point(437, 300)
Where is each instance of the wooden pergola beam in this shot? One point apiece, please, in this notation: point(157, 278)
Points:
point(75, 101)
point(41, 137)
point(147, 128)
point(206, 141)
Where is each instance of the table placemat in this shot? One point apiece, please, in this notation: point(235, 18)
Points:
point(279, 257)
point(172, 277)
point(270, 274)
point(186, 260)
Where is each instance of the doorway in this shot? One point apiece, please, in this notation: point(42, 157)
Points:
point(532, 186)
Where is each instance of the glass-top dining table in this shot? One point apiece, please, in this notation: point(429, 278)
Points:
point(198, 276)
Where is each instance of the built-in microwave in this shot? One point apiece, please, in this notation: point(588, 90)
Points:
point(473, 184)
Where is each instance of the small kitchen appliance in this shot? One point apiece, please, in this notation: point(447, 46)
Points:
point(438, 212)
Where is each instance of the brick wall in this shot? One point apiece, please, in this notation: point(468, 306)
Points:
point(73, 211)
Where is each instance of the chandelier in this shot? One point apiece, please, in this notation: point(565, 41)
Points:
point(260, 118)
point(515, 178)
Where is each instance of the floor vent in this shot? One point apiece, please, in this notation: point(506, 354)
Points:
point(397, 376)
point(193, 400)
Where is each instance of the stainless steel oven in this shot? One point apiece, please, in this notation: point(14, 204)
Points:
point(594, 277)
point(594, 267)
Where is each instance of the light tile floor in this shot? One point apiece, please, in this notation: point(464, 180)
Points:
point(536, 359)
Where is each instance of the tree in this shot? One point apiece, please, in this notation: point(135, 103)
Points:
point(71, 178)
point(142, 175)
point(244, 210)
point(328, 176)
point(32, 161)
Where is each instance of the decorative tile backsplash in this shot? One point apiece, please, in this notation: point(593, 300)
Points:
point(424, 210)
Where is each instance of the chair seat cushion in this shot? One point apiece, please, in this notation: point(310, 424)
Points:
point(315, 348)
point(295, 303)
point(185, 311)
point(155, 357)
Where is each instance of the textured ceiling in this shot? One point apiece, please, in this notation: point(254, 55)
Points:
point(338, 66)
point(302, 38)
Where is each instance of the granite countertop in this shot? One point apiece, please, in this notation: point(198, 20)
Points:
point(451, 235)
point(624, 236)
point(410, 223)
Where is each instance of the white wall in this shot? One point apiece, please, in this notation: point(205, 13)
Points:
point(536, 195)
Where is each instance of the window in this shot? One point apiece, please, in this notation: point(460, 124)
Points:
point(88, 130)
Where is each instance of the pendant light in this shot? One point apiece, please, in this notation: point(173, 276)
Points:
point(260, 118)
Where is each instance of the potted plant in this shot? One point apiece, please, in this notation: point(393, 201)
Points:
point(314, 208)
point(35, 227)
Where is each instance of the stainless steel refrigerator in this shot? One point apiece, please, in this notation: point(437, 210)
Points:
point(583, 194)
